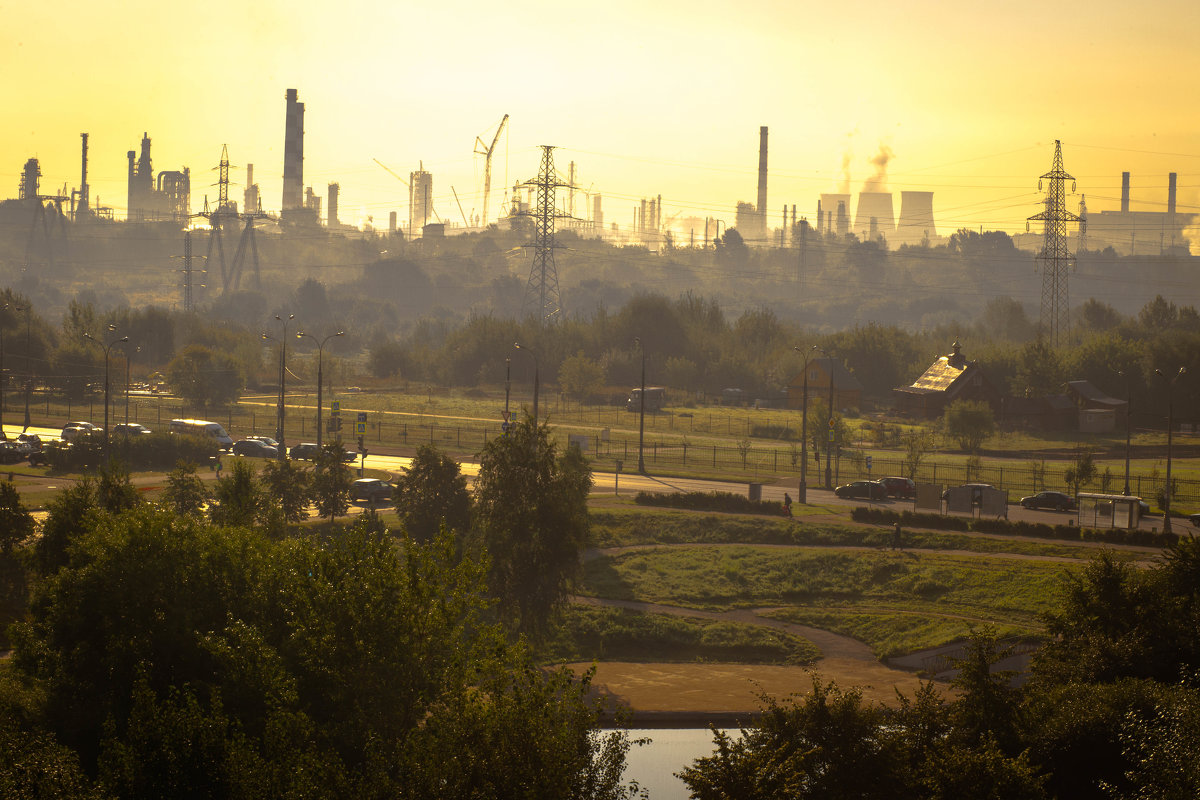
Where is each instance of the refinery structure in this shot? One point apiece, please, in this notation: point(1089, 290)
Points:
point(874, 214)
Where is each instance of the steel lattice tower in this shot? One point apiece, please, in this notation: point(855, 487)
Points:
point(543, 275)
point(1054, 257)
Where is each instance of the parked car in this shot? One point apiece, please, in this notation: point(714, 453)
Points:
point(372, 490)
point(264, 440)
point(254, 448)
point(129, 429)
point(976, 496)
point(1195, 520)
point(10, 454)
point(27, 443)
point(1055, 500)
point(72, 430)
point(869, 490)
point(899, 487)
point(304, 450)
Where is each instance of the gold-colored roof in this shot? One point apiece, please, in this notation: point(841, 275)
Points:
point(940, 375)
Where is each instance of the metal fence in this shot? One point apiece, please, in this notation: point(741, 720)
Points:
point(666, 448)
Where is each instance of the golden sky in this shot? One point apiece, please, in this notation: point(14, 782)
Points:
point(648, 98)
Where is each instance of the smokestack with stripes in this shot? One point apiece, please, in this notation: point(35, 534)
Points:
point(1124, 192)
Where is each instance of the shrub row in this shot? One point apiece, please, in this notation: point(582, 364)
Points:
point(710, 501)
point(1039, 530)
point(153, 451)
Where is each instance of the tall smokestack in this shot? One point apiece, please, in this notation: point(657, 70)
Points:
point(331, 208)
point(761, 208)
point(293, 153)
point(82, 211)
point(1171, 193)
point(1124, 192)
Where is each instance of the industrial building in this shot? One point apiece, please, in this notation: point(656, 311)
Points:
point(170, 199)
point(1131, 232)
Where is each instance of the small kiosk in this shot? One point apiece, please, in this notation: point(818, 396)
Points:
point(1109, 510)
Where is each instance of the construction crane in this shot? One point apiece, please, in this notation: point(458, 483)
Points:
point(466, 222)
point(390, 172)
point(486, 151)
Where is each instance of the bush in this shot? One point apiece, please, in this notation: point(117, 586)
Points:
point(710, 501)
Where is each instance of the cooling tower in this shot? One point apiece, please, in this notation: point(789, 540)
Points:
point(877, 206)
point(830, 202)
point(916, 218)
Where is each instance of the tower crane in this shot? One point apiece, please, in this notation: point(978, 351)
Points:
point(486, 151)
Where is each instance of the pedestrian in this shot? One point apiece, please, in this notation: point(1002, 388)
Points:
point(787, 504)
point(897, 538)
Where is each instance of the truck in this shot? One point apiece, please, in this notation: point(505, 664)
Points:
point(656, 399)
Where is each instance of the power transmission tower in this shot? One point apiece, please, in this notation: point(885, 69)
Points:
point(1054, 257)
point(543, 275)
point(1082, 224)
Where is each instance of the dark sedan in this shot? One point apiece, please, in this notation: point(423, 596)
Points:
point(867, 490)
point(254, 448)
point(373, 490)
point(1055, 500)
point(900, 487)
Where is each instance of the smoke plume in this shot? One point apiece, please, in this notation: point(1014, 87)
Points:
point(879, 162)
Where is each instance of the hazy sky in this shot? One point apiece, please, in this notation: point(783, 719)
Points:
point(648, 98)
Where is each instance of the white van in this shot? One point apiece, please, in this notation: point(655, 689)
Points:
point(203, 428)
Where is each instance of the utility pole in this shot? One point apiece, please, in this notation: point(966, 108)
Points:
point(1055, 259)
point(542, 287)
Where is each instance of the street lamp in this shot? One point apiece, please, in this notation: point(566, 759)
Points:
point(128, 362)
point(282, 371)
point(829, 443)
point(4, 307)
point(320, 361)
point(518, 346)
point(641, 410)
point(803, 489)
point(1167, 492)
point(1128, 407)
point(106, 347)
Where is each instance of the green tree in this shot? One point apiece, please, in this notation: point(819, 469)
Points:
point(237, 497)
point(16, 523)
point(331, 481)
point(432, 492)
point(287, 485)
point(186, 493)
point(68, 517)
point(1039, 370)
point(205, 376)
point(580, 376)
point(1082, 470)
point(969, 422)
point(531, 516)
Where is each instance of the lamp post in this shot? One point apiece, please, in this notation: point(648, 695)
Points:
point(282, 372)
point(128, 361)
point(1128, 406)
point(642, 411)
point(829, 442)
point(518, 346)
point(1167, 491)
point(106, 347)
point(28, 370)
point(320, 374)
point(803, 489)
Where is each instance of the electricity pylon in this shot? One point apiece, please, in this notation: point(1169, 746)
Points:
point(543, 275)
point(1054, 257)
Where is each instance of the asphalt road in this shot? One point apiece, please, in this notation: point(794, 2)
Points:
point(632, 482)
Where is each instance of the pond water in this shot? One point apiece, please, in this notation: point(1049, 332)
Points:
point(654, 765)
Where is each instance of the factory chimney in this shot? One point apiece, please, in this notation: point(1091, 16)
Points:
point(761, 208)
point(331, 209)
point(82, 210)
point(293, 153)
point(1124, 192)
point(1171, 193)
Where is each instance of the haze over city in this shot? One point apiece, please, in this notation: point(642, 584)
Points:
point(647, 100)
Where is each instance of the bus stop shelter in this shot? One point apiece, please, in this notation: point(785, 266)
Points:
point(1109, 510)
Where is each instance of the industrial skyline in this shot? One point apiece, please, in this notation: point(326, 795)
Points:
point(883, 118)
